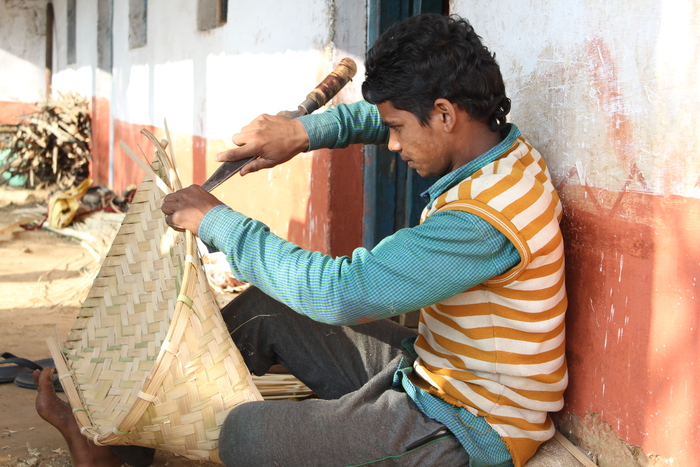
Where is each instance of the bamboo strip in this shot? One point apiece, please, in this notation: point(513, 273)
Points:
point(576, 452)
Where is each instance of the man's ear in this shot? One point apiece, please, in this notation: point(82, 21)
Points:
point(446, 112)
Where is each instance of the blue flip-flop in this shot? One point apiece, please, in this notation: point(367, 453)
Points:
point(19, 370)
point(12, 365)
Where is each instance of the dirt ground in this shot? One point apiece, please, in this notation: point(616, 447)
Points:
point(43, 278)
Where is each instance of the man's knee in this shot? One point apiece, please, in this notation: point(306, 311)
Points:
point(241, 435)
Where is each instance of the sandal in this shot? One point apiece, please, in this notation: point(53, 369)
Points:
point(19, 370)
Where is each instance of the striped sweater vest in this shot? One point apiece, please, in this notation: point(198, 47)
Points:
point(497, 349)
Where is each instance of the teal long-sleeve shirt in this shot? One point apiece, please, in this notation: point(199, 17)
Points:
point(415, 267)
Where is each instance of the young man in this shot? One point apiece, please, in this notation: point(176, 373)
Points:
point(485, 266)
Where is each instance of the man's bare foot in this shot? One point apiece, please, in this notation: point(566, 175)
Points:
point(58, 413)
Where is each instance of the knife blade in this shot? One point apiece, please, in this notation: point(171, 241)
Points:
point(225, 171)
point(317, 98)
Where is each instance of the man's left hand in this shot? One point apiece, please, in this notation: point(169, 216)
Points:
point(185, 209)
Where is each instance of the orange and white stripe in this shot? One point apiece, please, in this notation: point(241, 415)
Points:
point(498, 348)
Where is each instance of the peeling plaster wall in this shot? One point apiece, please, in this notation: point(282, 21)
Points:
point(607, 91)
point(616, 78)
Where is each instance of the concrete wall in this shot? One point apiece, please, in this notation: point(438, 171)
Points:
point(22, 52)
point(607, 90)
point(207, 85)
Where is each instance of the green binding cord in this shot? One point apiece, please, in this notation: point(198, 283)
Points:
point(186, 300)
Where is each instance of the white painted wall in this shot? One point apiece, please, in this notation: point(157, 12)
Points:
point(79, 76)
point(22, 49)
point(602, 85)
point(210, 83)
point(213, 71)
point(23, 46)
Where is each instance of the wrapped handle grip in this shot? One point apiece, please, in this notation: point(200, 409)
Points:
point(329, 87)
point(326, 90)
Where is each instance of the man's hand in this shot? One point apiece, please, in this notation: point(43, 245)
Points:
point(185, 209)
point(273, 140)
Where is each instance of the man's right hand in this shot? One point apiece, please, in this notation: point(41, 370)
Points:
point(272, 139)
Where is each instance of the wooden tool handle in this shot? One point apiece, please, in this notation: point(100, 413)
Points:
point(325, 91)
point(334, 82)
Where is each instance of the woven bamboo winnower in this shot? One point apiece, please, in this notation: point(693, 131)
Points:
point(149, 360)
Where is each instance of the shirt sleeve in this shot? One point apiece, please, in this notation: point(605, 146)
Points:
point(345, 125)
point(449, 253)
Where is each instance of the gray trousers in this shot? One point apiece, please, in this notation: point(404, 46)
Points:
point(360, 418)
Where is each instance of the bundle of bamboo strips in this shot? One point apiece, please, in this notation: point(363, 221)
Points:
point(281, 386)
point(51, 147)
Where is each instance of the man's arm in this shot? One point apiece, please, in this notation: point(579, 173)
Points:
point(345, 125)
point(449, 253)
point(274, 140)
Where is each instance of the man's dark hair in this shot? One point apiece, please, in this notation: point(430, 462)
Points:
point(428, 57)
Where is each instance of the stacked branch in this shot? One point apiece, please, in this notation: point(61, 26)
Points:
point(51, 147)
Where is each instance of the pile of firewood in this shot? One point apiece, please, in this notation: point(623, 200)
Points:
point(51, 148)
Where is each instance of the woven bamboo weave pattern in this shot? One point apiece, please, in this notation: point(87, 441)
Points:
point(149, 360)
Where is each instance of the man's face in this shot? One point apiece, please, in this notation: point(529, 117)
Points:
point(423, 147)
